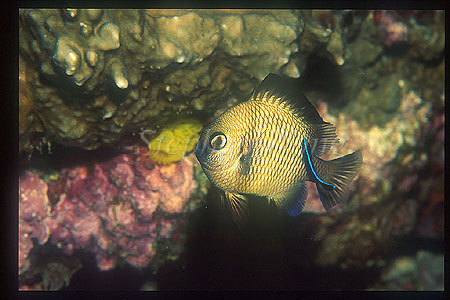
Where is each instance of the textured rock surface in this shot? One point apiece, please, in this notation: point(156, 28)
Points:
point(124, 209)
point(379, 145)
point(388, 196)
point(34, 210)
point(99, 75)
point(424, 272)
point(103, 73)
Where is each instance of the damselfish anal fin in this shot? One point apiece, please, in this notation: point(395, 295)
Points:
point(239, 209)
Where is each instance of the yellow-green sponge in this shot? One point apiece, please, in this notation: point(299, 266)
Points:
point(174, 141)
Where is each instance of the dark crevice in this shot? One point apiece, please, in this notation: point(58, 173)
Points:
point(324, 76)
point(65, 157)
point(123, 277)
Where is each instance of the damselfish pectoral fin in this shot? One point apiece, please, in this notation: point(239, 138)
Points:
point(222, 199)
point(239, 209)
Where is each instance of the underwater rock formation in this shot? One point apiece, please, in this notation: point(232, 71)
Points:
point(50, 269)
point(388, 197)
point(98, 75)
point(391, 31)
point(25, 96)
point(123, 209)
point(104, 73)
point(379, 145)
point(425, 272)
point(34, 220)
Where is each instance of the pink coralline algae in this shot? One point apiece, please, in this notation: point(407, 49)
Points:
point(391, 31)
point(34, 220)
point(117, 209)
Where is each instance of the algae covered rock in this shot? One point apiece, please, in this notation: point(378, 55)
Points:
point(378, 105)
point(423, 272)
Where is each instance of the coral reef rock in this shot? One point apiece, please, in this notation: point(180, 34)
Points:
point(123, 209)
point(387, 199)
point(425, 272)
point(34, 212)
point(102, 73)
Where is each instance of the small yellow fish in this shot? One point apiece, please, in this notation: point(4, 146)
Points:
point(269, 146)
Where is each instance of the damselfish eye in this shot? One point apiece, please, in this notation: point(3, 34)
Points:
point(218, 141)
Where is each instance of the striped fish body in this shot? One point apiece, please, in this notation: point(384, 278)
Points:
point(269, 146)
point(271, 160)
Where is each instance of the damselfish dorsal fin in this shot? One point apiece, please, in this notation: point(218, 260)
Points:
point(289, 91)
point(323, 138)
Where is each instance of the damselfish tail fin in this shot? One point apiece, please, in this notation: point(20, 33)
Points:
point(338, 172)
